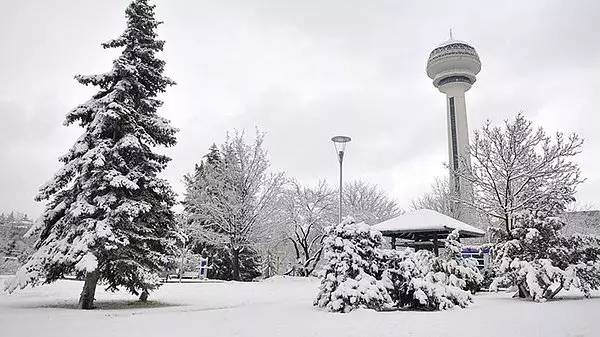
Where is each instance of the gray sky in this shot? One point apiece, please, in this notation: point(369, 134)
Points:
point(304, 71)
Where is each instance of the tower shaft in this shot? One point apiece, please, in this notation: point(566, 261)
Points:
point(458, 140)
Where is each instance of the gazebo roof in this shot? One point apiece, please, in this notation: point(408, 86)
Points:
point(425, 221)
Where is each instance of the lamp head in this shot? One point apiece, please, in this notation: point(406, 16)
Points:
point(340, 145)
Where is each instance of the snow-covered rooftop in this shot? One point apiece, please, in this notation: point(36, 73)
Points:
point(426, 220)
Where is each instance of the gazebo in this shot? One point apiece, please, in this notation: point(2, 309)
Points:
point(424, 229)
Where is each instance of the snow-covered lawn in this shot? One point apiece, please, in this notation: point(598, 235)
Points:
point(278, 307)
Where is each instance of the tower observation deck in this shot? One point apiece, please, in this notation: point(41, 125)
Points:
point(453, 67)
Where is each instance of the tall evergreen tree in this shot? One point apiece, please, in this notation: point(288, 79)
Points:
point(108, 217)
point(213, 157)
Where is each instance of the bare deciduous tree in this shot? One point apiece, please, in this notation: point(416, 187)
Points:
point(438, 199)
point(307, 211)
point(368, 203)
point(515, 168)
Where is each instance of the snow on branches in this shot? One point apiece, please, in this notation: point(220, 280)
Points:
point(541, 262)
point(516, 168)
point(463, 272)
point(108, 213)
point(358, 273)
point(348, 279)
point(368, 203)
point(525, 179)
point(307, 211)
point(439, 199)
point(420, 280)
point(233, 198)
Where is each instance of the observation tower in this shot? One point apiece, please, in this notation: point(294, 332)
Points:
point(453, 67)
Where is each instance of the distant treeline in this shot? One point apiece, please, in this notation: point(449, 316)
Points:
point(14, 248)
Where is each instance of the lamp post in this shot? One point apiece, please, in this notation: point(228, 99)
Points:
point(340, 145)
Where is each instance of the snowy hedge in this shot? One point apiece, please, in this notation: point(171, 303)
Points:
point(358, 273)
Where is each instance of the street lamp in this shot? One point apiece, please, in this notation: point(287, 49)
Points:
point(340, 145)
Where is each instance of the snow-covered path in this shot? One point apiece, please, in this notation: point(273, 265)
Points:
point(278, 307)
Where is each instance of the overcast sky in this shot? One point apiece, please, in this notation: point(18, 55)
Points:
point(303, 71)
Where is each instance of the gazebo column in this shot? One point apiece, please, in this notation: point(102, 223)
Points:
point(435, 246)
point(394, 242)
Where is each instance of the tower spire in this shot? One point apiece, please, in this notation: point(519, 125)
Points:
point(451, 37)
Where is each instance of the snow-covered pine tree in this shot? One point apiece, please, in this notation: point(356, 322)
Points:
point(420, 280)
point(541, 262)
point(462, 272)
point(108, 216)
point(347, 280)
point(196, 183)
point(358, 273)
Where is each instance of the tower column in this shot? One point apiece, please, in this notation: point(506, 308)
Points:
point(458, 138)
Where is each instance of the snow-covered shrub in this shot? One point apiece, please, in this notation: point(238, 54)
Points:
point(404, 277)
point(359, 273)
point(541, 262)
point(348, 279)
point(489, 275)
point(420, 280)
point(464, 272)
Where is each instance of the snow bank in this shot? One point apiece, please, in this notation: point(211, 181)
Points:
point(278, 307)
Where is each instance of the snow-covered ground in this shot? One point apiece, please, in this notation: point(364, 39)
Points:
point(278, 307)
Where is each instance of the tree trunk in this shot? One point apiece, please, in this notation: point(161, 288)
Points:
point(523, 292)
point(181, 263)
point(144, 296)
point(316, 260)
point(235, 261)
point(86, 300)
point(551, 293)
point(507, 225)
